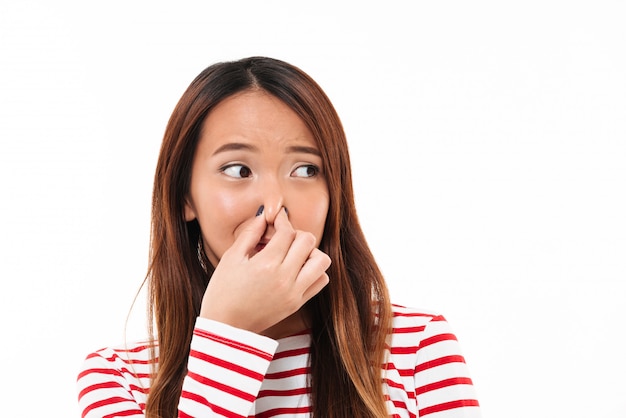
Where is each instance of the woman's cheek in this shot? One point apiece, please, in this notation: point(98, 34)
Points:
point(224, 213)
point(225, 204)
point(312, 215)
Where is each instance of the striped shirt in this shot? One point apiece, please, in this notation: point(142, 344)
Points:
point(236, 373)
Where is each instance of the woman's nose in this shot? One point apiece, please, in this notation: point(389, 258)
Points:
point(273, 200)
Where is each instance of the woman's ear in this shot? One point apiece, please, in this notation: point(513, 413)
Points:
point(190, 212)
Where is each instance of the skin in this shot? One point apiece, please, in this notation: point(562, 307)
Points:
point(254, 154)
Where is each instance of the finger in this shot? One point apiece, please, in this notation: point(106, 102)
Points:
point(250, 234)
point(316, 287)
point(281, 241)
point(313, 269)
point(300, 251)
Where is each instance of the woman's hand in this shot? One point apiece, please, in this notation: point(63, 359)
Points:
point(255, 290)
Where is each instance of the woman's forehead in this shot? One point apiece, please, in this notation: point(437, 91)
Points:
point(254, 119)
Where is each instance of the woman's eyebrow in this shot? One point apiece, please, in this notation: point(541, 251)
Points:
point(304, 150)
point(235, 146)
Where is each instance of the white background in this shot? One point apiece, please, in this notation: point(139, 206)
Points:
point(489, 152)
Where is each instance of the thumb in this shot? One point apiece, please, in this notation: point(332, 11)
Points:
point(250, 234)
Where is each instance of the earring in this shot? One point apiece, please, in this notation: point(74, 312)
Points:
point(201, 255)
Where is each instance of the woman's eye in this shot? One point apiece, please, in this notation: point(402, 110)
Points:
point(237, 171)
point(306, 171)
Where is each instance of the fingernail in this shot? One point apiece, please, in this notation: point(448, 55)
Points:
point(260, 211)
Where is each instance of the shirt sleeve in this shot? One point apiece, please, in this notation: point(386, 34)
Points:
point(226, 368)
point(109, 386)
point(443, 385)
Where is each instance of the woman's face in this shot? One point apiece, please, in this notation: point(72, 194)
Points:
point(254, 150)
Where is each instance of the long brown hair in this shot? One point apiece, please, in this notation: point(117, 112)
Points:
point(351, 316)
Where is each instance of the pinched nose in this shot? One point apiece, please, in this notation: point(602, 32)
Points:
point(271, 211)
point(273, 200)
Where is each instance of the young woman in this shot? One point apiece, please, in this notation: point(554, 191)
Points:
point(265, 296)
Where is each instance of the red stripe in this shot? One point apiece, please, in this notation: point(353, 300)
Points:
point(215, 408)
point(284, 411)
point(221, 387)
point(227, 365)
point(437, 339)
point(400, 404)
point(406, 372)
point(112, 372)
point(403, 350)
point(401, 372)
point(412, 315)
point(86, 372)
point(443, 384)
point(115, 356)
point(415, 315)
point(104, 402)
point(110, 385)
point(105, 385)
point(400, 386)
point(92, 355)
point(438, 362)
point(127, 413)
point(287, 373)
point(290, 392)
point(235, 344)
point(447, 406)
point(408, 330)
point(424, 343)
point(292, 353)
point(139, 389)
